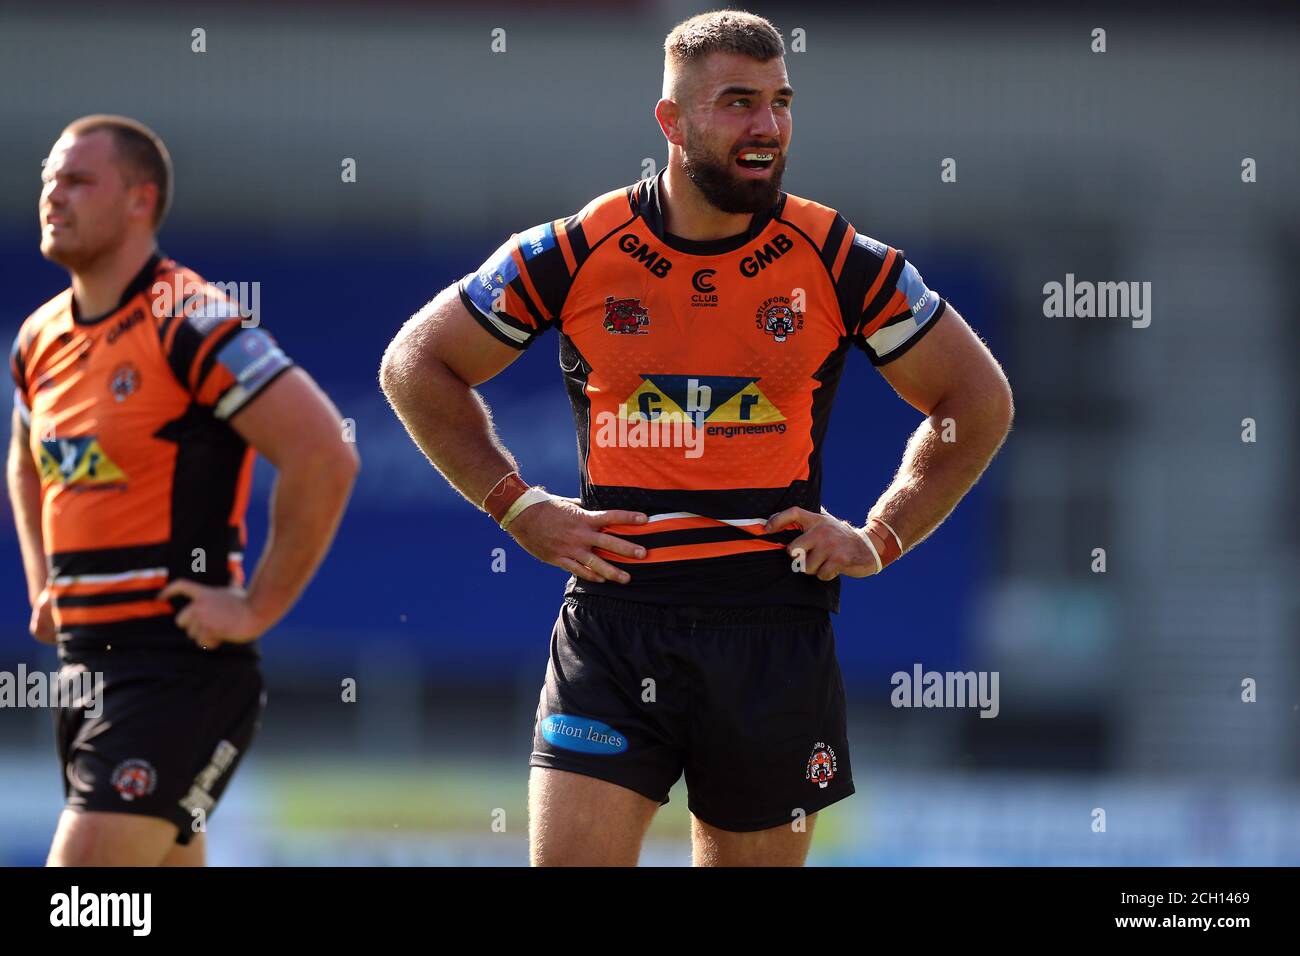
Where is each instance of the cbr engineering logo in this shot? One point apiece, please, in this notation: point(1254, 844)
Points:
point(79, 462)
point(677, 411)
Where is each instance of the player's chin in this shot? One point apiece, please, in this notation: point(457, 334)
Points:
point(51, 248)
point(755, 190)
point(59, 251)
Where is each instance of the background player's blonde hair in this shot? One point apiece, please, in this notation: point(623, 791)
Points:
point(719, 31)
point(139, 149)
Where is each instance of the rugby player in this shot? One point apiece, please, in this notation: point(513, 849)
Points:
point(135, 419)
point(695, 631)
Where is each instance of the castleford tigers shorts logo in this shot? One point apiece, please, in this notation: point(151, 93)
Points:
point(777, 318)
point(133, 779)
point(625, 316)
point(821, 765)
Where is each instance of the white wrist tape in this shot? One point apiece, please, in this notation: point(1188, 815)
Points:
point(862, 533)
point(529, 498)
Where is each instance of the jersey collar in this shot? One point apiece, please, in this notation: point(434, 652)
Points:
point(646, 202)
point(133, 288)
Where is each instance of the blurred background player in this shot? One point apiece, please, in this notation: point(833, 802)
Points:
point(141, 395)
point(695, 634)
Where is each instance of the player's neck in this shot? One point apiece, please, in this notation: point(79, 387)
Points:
point(689, 215)
point(98, 287)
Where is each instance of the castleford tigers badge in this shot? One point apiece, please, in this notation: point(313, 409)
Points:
point(124, 381)
point(821, 765)
point(625, 316)
point(778, 318)
point(133, 779)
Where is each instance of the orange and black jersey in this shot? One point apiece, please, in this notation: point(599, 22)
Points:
point(701, 374)
point(142, 477)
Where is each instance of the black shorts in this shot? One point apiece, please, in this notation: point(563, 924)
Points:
point(749, 702)
point(169, 732)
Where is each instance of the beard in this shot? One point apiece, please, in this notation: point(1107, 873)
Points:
point(718, 182)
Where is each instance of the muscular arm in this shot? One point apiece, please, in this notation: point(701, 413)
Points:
point(428, 375)
point(25, 498)
point(951, 377)
point(297, 429)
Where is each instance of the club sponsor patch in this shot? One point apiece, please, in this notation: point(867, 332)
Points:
point(80, 462)
point(582, 734)
point(486, 288)
point(920, 300)
point(252, 357)
point(537, 240)
point(877, 249)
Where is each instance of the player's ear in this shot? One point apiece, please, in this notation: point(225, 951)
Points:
point(143, 200)
point(668, 113)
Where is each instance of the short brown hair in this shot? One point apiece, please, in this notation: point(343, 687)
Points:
point(139, 149)
point(720, 31)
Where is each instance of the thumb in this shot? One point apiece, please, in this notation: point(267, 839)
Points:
point(786, 518)
point(181, 587)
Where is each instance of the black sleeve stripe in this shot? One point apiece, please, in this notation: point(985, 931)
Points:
point(886, 292)
point(852, 287)
point(185, 346)
point(577, 242)
point(527, 300)
point(859, 275)
point(587, 257)
point(210, 359)
point(162, 329)
point(550, 276)
point(834, 239)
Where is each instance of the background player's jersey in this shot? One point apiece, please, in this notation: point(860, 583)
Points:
point(142, 477)
point(701, 374)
